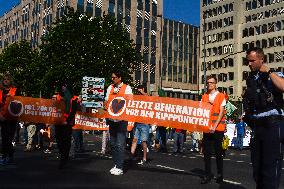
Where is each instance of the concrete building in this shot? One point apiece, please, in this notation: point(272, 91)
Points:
point(180, 53)
point(230, 28)
point(30, 20)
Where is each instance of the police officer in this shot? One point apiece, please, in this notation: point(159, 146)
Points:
point(263, 104)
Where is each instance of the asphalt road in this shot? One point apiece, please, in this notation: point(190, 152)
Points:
point(91, 170)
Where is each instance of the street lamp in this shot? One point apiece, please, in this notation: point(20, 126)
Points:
point(161, 44)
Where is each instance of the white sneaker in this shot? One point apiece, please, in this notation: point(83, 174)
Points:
point(112, 169)
point(117, 172)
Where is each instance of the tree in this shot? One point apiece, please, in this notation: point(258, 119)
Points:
point(78, 46)
point(23, 63)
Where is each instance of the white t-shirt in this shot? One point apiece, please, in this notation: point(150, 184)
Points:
point(213, 96)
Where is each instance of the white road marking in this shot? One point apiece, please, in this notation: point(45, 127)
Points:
point(232, 182)
point(166, 167)
point(227, 159)
point(243, 154)
point(240, 161)
point(192, 157)
point(180, 170)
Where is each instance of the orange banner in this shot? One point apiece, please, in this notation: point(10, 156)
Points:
point(37, 110)
point(161, 111)
point(88, 121)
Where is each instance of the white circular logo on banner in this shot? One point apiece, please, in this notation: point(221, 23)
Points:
point(117, 106)
point(16, 108)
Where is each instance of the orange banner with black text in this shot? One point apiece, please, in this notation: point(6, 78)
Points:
point(36, 110)
point(89, 121)
point(161, 111)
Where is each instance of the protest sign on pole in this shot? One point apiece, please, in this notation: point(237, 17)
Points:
point(93, 92)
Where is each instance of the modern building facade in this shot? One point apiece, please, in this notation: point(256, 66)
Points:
point(180, 52)
point(228, 28)
point(143, 20)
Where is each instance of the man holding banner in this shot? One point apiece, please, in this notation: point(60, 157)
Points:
point(117, 128)
point(216, 130)
point(63, 133)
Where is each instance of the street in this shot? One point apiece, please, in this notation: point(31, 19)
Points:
point(91, 170)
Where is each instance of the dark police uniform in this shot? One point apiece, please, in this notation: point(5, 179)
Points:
point(263, 105)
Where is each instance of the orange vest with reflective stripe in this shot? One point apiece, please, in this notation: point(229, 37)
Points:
point(12, 92)
point(215, 110)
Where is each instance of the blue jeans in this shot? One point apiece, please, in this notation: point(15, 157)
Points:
point(178, 140)
point(118, 132)
point(78, 139)
point(240, 141)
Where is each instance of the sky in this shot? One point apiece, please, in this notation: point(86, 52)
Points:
point(180, 10)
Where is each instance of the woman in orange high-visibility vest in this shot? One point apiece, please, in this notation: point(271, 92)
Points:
point(117, 128)
point(8, 127)
point(216, 130)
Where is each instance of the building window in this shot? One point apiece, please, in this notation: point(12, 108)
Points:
point(257, 44)
point(257, 30)
point(231, 90)
point(278, 56)
point(254, 4)
point(245, 32)
point(264, 28)
point(278, 26)
point(111, 7)
point(231, 34)
point(251, 31)
point(248, 18)
point(270, 57)
point(248, 5)
point(264, 43)
point(267, 2)
point(260, 3)
point(231, 7)
point(80, 6)
point(245, 46)
point(226, 8)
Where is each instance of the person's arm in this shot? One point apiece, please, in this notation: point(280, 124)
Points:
point(107, 96)
point(276, 79)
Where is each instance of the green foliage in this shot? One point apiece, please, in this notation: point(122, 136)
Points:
point(238, 112)
point(74, 47)
point(80, 46)
point(23, 64)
